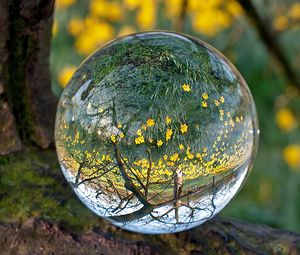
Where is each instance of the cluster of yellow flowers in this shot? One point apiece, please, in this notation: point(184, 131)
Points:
point(287, 122)
point(212, 16)
point(109, 18)
point(288, 18)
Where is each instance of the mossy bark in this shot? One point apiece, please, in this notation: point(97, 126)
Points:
point(219, 236)
point(32, 185)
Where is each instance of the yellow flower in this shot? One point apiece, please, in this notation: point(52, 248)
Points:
point(122, 135)
point(119, 125)
point(204, 104)
point(150, 140)
point(234, 8)
point(139, 132)
point(113, 138)
point(189, 154)
point(132, 4)
point(291, 155)
point(222, 100)
point(65, 75)
point(109, 10)
point(139, 140)
point(174, 157)
point(146, 15)
point(205, 96)
point(186, 87)
point(217, 103)
point(168, 120)
point(159, 143)
point(183, 128)
point(295, 11)
point(285, 119)
point(95, 33)
point(150, 122)
point(281, 23)
point(75, 26)
point(209, 21)
point(169, 134)
point(62, 4)
point(181, 147)
point(221, 111)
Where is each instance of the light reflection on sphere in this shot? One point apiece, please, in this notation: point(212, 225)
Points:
point(156, 132)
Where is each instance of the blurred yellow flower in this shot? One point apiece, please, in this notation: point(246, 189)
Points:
point(285, 119)
point(150, 122)
point(139, 132)
point(204, 104)
point(168, 120)
point(113, 138)
point(75, 26)
point(172, 8)
point(132, 4)
point(281, 23)
point(291, 155)
point(139, 140)
point(234, 8)
point(146, 15)
point(95, 34)
point(126, 30)
point(205, 96)
point(211, 21)
point(181, 146)
point(159, 143)
point(183, 128)
point(169, 134)
point(110, 10)
point(65, 75)
point(62, 4)
point(186, 87)
point(295, 11)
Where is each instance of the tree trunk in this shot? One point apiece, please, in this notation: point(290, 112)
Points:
point(27, 110)
point(26, 102)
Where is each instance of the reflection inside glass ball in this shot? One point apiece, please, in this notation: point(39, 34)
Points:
point(156, 132)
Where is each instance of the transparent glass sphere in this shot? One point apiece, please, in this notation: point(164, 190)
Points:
point(156, 132)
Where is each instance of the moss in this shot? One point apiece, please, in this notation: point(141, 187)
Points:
point(30, 187)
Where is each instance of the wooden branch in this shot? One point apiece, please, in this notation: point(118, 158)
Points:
point(270, 38)
point(218, 236)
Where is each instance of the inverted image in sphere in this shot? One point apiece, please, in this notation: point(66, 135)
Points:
point(156, 132)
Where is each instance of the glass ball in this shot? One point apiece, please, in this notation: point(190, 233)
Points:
point(156, 132)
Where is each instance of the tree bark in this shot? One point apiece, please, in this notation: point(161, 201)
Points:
point(26, 102)
point(27, 109)
point(219, 236)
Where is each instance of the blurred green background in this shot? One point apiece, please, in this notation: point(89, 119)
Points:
point(270, 195)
